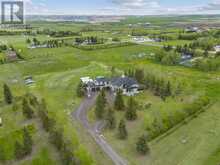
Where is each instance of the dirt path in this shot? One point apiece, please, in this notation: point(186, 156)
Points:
point(95, 131)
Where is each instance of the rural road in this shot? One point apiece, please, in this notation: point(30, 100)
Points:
point(95, 130)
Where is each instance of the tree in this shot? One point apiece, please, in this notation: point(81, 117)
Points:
point(110, 119)
point(2, 155)
point(206, 53)
point(27, 141)
point(131, 113)
point(56, 137)
point(168, 90)
point(142, 146)
point(100, 105)
point(48, 123)
point(7, 94)
point(28, 41)
point(80, 91)
point(122, 130)
point(119, 102)
point(27, 109)
point(19, 152)
point(139, 75)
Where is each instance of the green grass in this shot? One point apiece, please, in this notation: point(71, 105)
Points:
point(57, 72)
point(42, 158)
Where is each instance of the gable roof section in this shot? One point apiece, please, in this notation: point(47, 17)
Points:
point(126, 82)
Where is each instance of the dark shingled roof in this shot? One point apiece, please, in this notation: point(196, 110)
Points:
point(126, 82)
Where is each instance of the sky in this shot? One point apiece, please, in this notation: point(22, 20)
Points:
point(121, 7)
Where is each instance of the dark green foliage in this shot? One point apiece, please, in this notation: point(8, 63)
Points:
point(119, 101)
point(161, 124)
point(89, 40)
point(2, 155)
point(110, 119)
point(159, 86)
point(131, 112)
point(25, 148)
point(56, 138)
point(167, 58)
point(139, 75)
point(28, 41)
point(80, 91)
point(27, 142)
point(100, 105)
point(122, 130)
point(7, 94)
point(27, 109)
point(142, 146)
point(189, 36)
point(19, 150)
point(197, 105)
point(48, 123)
point(208, 64)
point(68, 155)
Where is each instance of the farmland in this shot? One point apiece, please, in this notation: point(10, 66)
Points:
point(190, 138)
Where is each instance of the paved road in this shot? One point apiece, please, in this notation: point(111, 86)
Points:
point(95, 131)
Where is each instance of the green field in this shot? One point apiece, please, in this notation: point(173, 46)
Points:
point(57, 72)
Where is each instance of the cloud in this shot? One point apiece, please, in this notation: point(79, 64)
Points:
point(215, 5)
point(136, 3)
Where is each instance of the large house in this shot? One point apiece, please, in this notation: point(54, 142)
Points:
point(129, 86)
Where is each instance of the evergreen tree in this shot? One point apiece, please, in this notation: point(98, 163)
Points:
point(119, 102)
point(7, 94)
point(19, 152)
point(100, 105)
point(110, 119)
point(27, 109)
point(167, 91)
point(131, 113)
point(48, 123)
point(28, 41)
point(27, 142)
point(2, 155)
point(142, 146)
point(56, 137)
point(206, 53)
point(68, 155)
point(122, 130)
point(139, 75)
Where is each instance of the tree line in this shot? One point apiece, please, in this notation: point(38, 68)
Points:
point(90, 40)
point(162, 123)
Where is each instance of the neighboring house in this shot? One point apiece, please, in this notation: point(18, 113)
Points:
point(37, 46)
point(185, 60)
point(186, 57)
point(192, 29)
point(11, 56)
point(29, 80)
point(128, 86)
point(217, 48)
